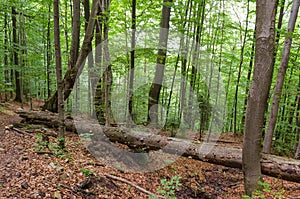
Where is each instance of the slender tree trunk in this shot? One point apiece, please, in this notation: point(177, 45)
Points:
point(6, 70)
point(61, 135)
point(280, 77)
point(49, 54)
point(107, 71)
point(132, 60)
point(23, 53)
point(248, 79)
point(18, 78)
point(99, 86)
point(65, 23)
point(160, 64)
point(198, 33)
point(183, 81)
point(259, 92)
point(92, 74)
point(74, 50)
point(243, 41)
point(75, 33)
point(298, 123)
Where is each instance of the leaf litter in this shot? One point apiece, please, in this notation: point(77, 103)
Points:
point(24, 173)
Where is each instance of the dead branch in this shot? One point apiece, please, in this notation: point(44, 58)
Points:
point(133, 185)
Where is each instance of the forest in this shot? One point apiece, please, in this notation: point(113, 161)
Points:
point(150, 99)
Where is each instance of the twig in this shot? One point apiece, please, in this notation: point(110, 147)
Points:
point(44, 152)
point(11, 127)
point(133, 185)
point(22, 132)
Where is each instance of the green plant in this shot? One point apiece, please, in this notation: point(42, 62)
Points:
point(57, 150)
point(87, 172)
point(265, 188)
point(40, 143)
point(168, 187)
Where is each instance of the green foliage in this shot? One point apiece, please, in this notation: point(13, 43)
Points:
point(57, 150)
point(43, 145)
point(40, 144)
point(87, 172)
point(168, 187)
point(266, 189)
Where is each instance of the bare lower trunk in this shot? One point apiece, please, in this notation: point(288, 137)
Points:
point(259, 93)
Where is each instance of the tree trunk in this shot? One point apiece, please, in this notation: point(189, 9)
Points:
point(91, 74)
point(18, 79)
point(132, 60)
point(243, 43)
point(108, 79)
point(160, 64)
point(6, 69)
point(73, 73)
point(259, 93)
point(61, 135)
point(298, 123)
point(280, 78)
point(75, 49)
point(49, 54)
point(248, 78)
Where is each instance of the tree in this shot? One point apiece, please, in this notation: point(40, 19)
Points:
point(259, 92)
point(132, 53)
point(160, 64)
point(243, 43)
point(18, 78)
point(280, 77)
point(73, 73)
point(108, 79)
point(48, 53)
point(74, 50)
point(61, 135)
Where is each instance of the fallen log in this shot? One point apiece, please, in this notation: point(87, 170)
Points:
point(45, 118)
point(284, 168)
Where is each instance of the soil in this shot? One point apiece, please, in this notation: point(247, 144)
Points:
point(26, 171)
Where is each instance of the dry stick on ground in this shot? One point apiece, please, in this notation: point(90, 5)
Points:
point(10, 127)
point(133, 185)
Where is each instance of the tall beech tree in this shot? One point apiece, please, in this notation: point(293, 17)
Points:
point(73, 73)
point(132, 60)
point(61, 134)
point(243, 41)
point(280, 77)
point(18, 77)
point(259, 93)
point(160, 64)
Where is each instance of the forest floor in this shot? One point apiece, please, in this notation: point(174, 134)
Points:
point(25, 173)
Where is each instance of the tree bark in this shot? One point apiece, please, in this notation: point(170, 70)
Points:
point(280, 78)
point(243, 44)
point(259, 93)
point(49, 54)
point(160, 64)
point(6, 70)
point(132, 60)
point(61, 135)
point(73, 73)
point(284, 168)
point(298, 123)
point(18, 79)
